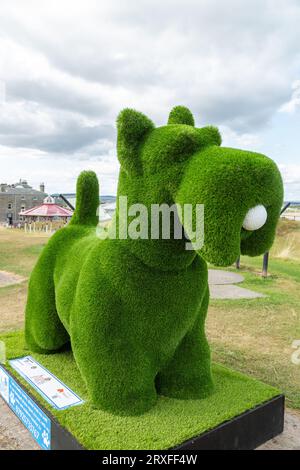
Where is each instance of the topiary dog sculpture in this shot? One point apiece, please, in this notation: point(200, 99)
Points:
point(134, 309)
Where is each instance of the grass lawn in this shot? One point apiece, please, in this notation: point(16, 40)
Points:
point(169, 423)
point(256, 336)
point(18, 254)
point(253, 336)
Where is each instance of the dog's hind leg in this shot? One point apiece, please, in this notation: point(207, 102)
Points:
point(44, 331)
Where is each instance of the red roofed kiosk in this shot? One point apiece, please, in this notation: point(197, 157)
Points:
point(46, 217)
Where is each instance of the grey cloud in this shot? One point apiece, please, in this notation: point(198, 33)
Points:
point(56, 95)
point(71, 138)
point(139, 46)
point(243, 113)
point(232, 62)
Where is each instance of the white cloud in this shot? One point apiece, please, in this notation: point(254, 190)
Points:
point(246, 141)
point(291, 179)
point(59, 174)
point(294, 102)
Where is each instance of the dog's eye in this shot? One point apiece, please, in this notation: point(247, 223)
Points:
point(255, 218)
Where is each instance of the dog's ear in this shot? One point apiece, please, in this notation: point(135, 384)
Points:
point(181, 145)
point(186, 141)
point(181, 115)
point(133, 127)
point(209, 135)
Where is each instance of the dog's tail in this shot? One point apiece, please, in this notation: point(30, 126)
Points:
point(87, 200)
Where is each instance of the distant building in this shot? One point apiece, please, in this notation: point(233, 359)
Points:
point(16, 198)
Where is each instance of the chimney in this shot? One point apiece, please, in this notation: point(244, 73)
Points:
point(42, 187)
point(3, 187)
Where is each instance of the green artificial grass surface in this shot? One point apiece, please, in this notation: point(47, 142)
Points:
point(169, 423)
point(134, 304)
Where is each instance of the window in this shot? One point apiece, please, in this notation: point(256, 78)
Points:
point(34, 198)
point(22, 208)
point(9, 205)
point(23, 198)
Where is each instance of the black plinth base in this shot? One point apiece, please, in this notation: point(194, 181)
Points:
point(244, 432)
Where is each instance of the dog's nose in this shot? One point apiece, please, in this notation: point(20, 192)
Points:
point(255, 218)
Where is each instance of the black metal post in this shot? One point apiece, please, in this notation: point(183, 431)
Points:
point(266, 255)
point(265, 265)
point(66, 201)
point(287, 205)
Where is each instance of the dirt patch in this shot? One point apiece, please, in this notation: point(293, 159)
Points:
point(12, 307)
point(7, 278)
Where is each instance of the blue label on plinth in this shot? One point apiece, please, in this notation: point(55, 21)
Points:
point(33, 418)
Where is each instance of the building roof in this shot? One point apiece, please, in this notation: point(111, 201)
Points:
point(47, 209)
point(22, 187)
point(19, 190)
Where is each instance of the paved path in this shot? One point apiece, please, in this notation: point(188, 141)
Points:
point(13, 435)
point(222, 286)
point(218, 277)
point(290, 438)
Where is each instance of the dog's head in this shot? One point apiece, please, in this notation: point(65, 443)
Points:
point(241, 191)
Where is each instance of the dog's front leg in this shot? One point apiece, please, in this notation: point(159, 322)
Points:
point(111, 354)
point(188, 374)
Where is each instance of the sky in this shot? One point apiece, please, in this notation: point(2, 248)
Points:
point(67, 68)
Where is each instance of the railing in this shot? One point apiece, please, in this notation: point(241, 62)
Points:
point(46, 227)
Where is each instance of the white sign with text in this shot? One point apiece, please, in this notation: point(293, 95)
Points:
point(49, 387)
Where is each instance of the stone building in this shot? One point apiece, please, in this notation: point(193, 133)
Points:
point(17, 197)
